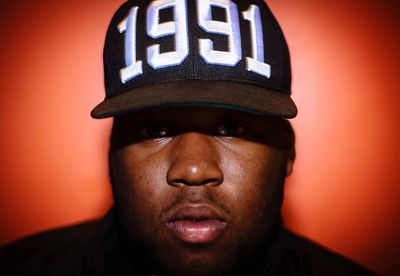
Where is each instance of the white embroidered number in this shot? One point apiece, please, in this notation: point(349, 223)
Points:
point(230, 28)
point(133, 67)
point(177, 27)
point(256, 63)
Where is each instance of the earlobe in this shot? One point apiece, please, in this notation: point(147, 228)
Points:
point(289, 166)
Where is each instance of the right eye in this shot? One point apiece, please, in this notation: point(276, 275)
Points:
point(154, 130)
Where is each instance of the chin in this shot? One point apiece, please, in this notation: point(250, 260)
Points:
point(197, 264)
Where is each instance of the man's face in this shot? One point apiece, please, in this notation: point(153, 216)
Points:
point(196, 190)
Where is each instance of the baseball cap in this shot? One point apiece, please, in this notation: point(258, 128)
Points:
point(212, 53)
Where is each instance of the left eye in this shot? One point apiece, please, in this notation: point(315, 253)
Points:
point(230, 128)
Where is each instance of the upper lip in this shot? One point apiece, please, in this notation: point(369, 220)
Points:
point(193, 212)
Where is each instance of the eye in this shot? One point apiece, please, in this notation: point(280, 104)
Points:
point(154, 130)
point(231, 129)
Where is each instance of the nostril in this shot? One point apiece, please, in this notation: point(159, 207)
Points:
point(212, 181)
point(182, 182)
point(179, 182)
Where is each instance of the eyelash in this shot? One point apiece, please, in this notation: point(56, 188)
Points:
point(239, 128)
point(145, 128)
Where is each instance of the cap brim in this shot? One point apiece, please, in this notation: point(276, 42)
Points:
point(221, 94)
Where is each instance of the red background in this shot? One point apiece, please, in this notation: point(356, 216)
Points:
point(345, 187)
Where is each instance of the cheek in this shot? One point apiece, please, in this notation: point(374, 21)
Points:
point(252, 178)
point(138, 188)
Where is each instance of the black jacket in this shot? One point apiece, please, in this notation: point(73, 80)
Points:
point(94, 248)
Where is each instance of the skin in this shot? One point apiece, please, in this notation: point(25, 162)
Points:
point(232, 161)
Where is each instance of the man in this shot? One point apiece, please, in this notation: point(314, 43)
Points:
point(200, 148)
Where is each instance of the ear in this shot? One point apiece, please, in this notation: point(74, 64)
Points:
point(289, 166)
point(290, 149)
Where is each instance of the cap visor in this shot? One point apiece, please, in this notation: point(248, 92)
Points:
point(221, 94)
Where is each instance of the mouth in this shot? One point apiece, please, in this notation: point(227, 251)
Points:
point(196, 224)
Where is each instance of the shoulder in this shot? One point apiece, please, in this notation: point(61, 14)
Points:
point(322, 261)
point(61, 249)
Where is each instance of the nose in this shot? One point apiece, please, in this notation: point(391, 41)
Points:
point(194, 161)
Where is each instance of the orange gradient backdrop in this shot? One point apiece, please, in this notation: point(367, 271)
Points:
point(344, 192)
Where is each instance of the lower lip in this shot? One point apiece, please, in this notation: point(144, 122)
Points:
point(197, 232)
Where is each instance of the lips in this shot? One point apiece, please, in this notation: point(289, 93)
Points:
point(196, 224)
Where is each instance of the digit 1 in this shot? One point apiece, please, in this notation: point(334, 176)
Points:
point(133, 67)
point(256, 63)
